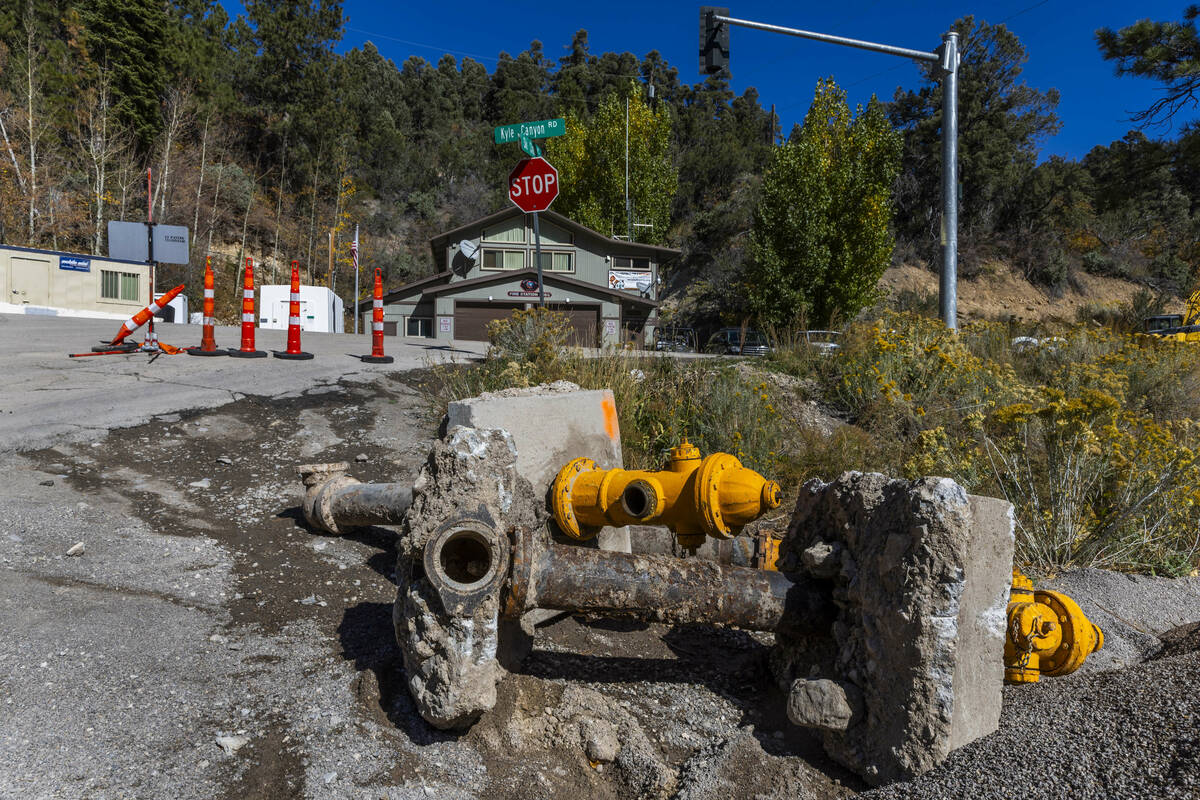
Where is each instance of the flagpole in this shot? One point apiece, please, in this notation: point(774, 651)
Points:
point(354, 252)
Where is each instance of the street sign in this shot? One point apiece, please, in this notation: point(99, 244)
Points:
point(170, 243)
point(533, 185)
point(542, 129)
point(128, 241)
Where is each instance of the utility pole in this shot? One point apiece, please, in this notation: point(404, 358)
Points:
point(714, 57)
point(332, 276)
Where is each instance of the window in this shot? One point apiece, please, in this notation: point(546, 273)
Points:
point(629, 262)
point(556, 262)
point(118, 285)
point(418, 326)
point(511, 231)
point(503, 259)
point(553, 234)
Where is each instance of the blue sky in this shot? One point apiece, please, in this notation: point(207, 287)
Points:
point(1058, 35)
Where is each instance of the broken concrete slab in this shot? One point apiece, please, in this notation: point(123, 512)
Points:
point(550, 425)
point(921, 589)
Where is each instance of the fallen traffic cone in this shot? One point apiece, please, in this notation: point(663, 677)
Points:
point(247, 350)
point(377, 356)
point(293, 351)
point(140, 318)
point(208, 342)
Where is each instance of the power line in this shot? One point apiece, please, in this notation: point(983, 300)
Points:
point(422, 44)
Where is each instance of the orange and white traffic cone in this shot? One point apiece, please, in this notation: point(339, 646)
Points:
point(293, 351)
point(208, 342)
point(142, 317)
point(377, 356)
point(247, 349)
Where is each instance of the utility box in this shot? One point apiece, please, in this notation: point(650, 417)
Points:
point(320, 309)
point(175, 311)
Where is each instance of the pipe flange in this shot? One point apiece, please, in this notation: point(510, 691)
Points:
point(1080, 638)
point(322, 482)
point(466, 561)
point(563, 506)
point(708, 494)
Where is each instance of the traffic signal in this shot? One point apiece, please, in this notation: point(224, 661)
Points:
point(714, 40)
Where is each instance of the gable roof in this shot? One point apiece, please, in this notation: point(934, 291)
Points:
point(439, 243)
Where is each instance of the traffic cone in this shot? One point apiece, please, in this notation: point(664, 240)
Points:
point(377, 356)
point(247, 350)
point(140, 318)
point(208, 343)
point(293, 351)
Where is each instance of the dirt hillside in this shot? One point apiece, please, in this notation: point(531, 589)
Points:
point(998, 293)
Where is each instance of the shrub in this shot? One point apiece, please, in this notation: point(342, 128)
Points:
point(531, 335)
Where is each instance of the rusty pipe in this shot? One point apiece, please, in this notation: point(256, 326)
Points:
point(336, 502)
point(659, 589)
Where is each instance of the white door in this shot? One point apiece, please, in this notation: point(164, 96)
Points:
point(30, 281)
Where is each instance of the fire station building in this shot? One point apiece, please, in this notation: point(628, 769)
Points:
point(608, 288)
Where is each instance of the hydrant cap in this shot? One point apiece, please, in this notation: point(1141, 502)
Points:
point(772, 495)
point(686, 451)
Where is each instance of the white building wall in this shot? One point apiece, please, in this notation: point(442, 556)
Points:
point(320, 309)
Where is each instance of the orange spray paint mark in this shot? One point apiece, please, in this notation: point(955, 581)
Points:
point(609, 407)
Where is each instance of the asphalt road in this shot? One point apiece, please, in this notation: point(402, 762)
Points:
point(45, 395)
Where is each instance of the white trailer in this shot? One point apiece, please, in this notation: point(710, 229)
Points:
point(320, 309)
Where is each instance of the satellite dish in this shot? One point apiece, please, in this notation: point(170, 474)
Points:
point(468, 248)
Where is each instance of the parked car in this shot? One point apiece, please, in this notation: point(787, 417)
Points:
point(728, 341)
point(824, 342)
point(675, 340)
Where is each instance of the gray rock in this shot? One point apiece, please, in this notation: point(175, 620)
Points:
point(600, 740)
point(76, 549)
point(823, 704)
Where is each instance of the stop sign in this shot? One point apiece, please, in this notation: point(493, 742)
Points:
point(533, 185)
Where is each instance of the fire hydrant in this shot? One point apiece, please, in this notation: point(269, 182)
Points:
point(1048, 633)
point(715, 496)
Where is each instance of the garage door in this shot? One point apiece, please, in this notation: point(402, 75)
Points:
point(471, 319)
point(585, 322)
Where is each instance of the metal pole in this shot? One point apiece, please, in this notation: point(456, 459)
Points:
point(920, 55)
point(537, 249)
point(949, 281)
point(628, 216)
point(356, 295)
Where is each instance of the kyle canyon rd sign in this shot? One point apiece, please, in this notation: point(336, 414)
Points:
point(533, 184)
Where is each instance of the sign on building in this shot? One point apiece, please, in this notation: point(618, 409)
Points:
point(75, 263)
point(629, 280)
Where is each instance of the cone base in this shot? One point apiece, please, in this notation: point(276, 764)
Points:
point(247, 353)
point(300, 356)
point(196, 351)
point(128, 347)
point(376, 359)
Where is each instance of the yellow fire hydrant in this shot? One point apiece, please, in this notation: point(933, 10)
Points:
point(1048, 633)
point(715, 496)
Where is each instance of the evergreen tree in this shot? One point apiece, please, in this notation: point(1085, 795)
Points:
point(1168, 52)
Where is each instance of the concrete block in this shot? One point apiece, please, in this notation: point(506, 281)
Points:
point(919, 572)
point(551, 425)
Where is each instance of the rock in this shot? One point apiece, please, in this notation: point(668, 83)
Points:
point(224, 460)
point(75, 549)
point(231, 744)
point(361, 457)
point(203, 483)
point(46, 483)
point(822, 704)
point(822, 560)
point(600, 741)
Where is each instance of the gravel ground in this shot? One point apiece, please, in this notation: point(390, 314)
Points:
point(1131, 733)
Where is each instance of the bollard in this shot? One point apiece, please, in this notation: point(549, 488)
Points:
point(142, 317)
point(377, 356)
point(208, 342)
point(293, 351)
point(247, 349)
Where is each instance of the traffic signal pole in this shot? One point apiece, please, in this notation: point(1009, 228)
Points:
point(714, 53)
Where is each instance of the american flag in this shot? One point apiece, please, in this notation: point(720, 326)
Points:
point(354, 251)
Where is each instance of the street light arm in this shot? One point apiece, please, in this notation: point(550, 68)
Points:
point(920, 55)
